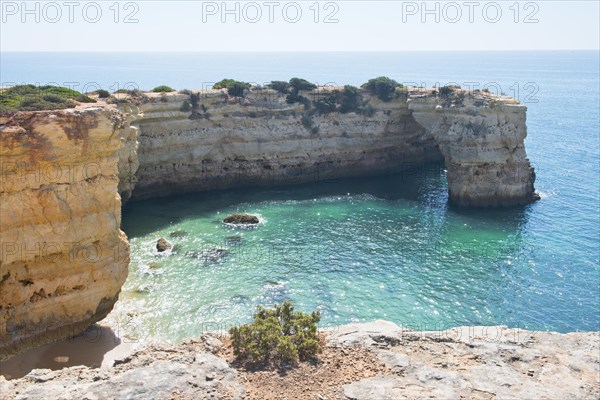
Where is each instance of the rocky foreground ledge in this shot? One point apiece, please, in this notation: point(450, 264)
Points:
point(376, 360)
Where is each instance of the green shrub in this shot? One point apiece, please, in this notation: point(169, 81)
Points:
point(123, 91)
point(234, 88)
point(293, 98)
point(307, 121)
point(345, 101)
point(35, 98)
point(446, 91)
point(368, 110)
point(103, 94)
point(82, 98)
point(326, 105)
point(223, 83)
point(279, 86)
point(237, 89)
point(298, 84)
point(185, 106)
point(186, 91)
point(382, 87)
point(350, 99)
point(277, 336)
point(163, 89)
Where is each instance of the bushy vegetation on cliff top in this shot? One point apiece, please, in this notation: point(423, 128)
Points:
point(163, 89)
point(277, 336)
point(382, 87)
point(234, 88)
point(35, 98)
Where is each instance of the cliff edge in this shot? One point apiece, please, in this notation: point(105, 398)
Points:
point(376, 360)
point(63, 255)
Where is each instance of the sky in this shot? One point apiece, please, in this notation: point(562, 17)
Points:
point(298, 25)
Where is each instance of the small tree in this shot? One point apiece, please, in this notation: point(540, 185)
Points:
point(237, 88)
point(446, 91)
point(277, 336)
point(224, 83)
point(103, 94)
point(326, 105)
point(350, 99)
point(382, 87)
point(299, 84)
point(280, 86)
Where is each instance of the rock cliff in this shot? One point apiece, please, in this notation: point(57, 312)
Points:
point(262, 140)
point(483, 149)
point(63, 255)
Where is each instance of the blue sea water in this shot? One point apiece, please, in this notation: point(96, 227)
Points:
point(363, 249)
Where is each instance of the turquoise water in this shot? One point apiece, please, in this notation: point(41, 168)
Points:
point(363, 249)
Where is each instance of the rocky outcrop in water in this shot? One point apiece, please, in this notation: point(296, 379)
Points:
point(63, 256)
point(483, 149)
point(162, 245)
point(241, 219)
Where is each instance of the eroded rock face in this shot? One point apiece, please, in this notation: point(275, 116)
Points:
point(262, 141)
point(63, 255)
point(484, 151)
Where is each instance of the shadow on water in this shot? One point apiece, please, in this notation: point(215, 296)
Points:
point(427, 190)
point(161, 212)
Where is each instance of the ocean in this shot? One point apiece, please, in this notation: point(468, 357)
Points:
point(364, 249)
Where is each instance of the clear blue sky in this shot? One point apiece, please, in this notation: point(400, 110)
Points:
point(354, 26)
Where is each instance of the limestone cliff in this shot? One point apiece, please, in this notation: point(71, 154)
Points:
point(262, 140)
point(483, 148)
point(63, 255)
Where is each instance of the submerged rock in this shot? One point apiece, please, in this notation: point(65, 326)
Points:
point(239, 299)
point(241, 219)
point(209, 255)
point(178, 233)
point(162, 245)
point(235, 239)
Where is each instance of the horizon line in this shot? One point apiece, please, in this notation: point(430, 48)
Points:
point(287, 51)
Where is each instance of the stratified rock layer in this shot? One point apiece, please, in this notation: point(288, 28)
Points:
point(63, 255)
point(484, 151)
point(261, 140)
